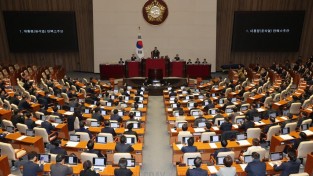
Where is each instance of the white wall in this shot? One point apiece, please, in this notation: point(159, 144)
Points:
point(190, 30)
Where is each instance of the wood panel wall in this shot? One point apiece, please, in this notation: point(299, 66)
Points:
point(225, 15)
point(81, 61)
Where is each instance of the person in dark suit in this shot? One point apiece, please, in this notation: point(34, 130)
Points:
point(15, 100)
point(197, 61)
point(90, 146)
point(177, 58)
point(59, 169)
point(17, 118)
point(108, 129)
point(29, 121)
point(178, 107)
point(249, 123)
point(227, 125)
point(24, 105)
point(47, 125)
point(208, 127)
point(303, 116)
point(121, 61)
point(121, 147)
point(303, 137)
point(190, 147)
point(218, 115)
point(133, 58)
point(96, 115)
point(57, 148)
point(130, 130)
point(70, 122)
point(197, 171)
point(267, 127)
point(31, 168)
point(199, 120)
point(88, 171)
point(224, 148)
point(83, 129)
point(116, 117)
point(290, 167)
point(253, 112)
point(122, 171)
point(256, 167)
point(189, 61)
point(289, 120)
point(155, 53)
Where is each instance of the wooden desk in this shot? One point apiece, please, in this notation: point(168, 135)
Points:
point(4, 163)
point(120, 131)
point(29, 143)
point(62, 131)
point(198, 70)
point(5, 114)
point(308, 165)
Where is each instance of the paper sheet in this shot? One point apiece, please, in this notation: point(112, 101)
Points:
point(71, 144)
point(213, 145)
point(243, 166)
point(243, 142)
point(212, 169)
point(199, 130)
point(308, 132)
point(286, 137)
point(216, 128)
point(272, 163)
point(235, 126)
point(179, 146)
point(55, 124)
point(21, 138)
point(259, 123)
point(173, 130)
point(68, 113)
point(38, 122)
point(169, 109)
point(283, 117)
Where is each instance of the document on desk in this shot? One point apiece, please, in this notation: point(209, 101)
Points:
point(216, 128)
point(243, 142)
point(212, 169)
point(308, 132)
point(278, 104)
point(235, 126)
point(286, 137)
point(54, 124)
point(213, 145)
point(68, 113)
point(173, 130)
point(283, 117)
point(21, 138)
point(169, 109)
point(272, 163)
point(71, 144)
point(243, 166)
point(199, 130)
point(38, 122)
point(259, 123)
point(179, 146)
point(260, 109)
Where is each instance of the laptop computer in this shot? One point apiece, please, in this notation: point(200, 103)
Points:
point(176, 114)
point(180, 124)
point(103, 112)
point(190, 161)
point(220, 122)
point(174, 105)
point(221, 101)
point(130, 140)
point(101, 139)
point(273, 115)
point(136, 125)
point(195, 113)
point(220, 160)
point(234, 99)
point(215, 138)
point(212, 111)
point(126, 98)
point(45, 158)
point(241, 136)
point(185, 140)
point(30, 133)
point(94, 124)
point(109, 104)
point(169, 88)
point(244, 108)
point(247, 158)
point(228, 110)
point(58, 120)
point(190, 104)
point(200, 97)
point(71, 160)
point(131, 162)
point(256, 118)
point(10, 129)
point(240, 120)
point(276, 156)
point(114, 125)
point(74, 138)
point(87, 111)
point(201, 124)
point(59, 107)
point(123, 105)
point(285, 130)
point(304, 127)
point(140, 105)
point(42, 117)
point(213, 95)
point(120, 113)
point(138, 114)
point(206, 103)
point(99, 163)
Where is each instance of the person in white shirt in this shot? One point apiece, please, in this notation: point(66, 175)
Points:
point(255, 145)
point(228, 170)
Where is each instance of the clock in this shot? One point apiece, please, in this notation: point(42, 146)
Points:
point(155, 11)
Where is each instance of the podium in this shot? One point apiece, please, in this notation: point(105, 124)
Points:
point(177, 69)
point(112, 71)
point(198, 70)
point(133, 69)
point(154, 64)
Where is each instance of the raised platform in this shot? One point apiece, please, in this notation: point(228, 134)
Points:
point(154, 90)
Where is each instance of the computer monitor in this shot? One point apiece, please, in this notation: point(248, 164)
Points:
point(129, 87)
point(285, 130)
point(276, 156)
point(191, 161)
point(94, 102)
point(109, 104)
point(213, 95)
point(190, 104)
point(247, 158)
point(72, 109)
point(140, 105)
point(201, 124)
point(241, 136)
point(87, 111)
point(103, 112)
point(234, 99)
point(138, 114)
point(185, 140)
point(126, 98)
point(228, 110)
point(42, 117)
point(136, 125)
point(9, 129)
point(131, 162)
point(174, 105)
point(221, 101)
point(101, 139)
point(244, 108)
point(123, 105)
point(30, 133)
point(206, 103)
point(176, 113)
point(240, 120)
point(71, 160)
point(200, 97)
point(59, 107)
point(101, 161)
point(215, 138)
point(100, 96)
point(195, 113)
point(45, 158)
point(258, 105)
point(220, 122)
point(120, 113)
point(130, 140)
point(256, 118)
point(220, 160)
point(273, 115)
point(114, 125)
point(212, 111)
point(184, 92)
point(58, 120)
point(169, 88)
point(115, 91)
point(74, 138)
point(94, 124)
point(180, 124)
point(304, 127)
point(81, 100)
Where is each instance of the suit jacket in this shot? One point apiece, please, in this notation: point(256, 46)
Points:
point(23, 105)
point(198, 120)
point(256, 168)
point(30, 168)
point(98, 117)
point(267, 127)
point(155, 53)
point(60, 170)
point(108, 130)
point(48, 126)
point(30, 123)
point(188, 149)
point(246, 125)
point(196, 172)
point(226, 126)
point(116, 117)
point(123, 172)
point(123, 148)
point(88, 172)
point(287, 168)
point(132, 133)
point(58, 150)
point(15, 101)
point(95, 152)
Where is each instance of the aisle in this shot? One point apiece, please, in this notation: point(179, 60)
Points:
point(157, 154)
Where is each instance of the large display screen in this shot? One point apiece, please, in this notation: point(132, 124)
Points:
point(41, 31)
point(267, 31)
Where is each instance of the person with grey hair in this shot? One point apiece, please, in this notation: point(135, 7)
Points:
point(59, 169)
point(47, 125)
point(200, 119)
point(122, 171)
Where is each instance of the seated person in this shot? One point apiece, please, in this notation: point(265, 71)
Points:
point(131, 119)
point(83, 129)
point(88, 170)
point(123, 171)
point(190, 147)
point(303, 116)
point(199, 120)
point(218, 115)
point(29, 121)
point(290, 167)
point(249, 123)
point(289, 120)
point(256, 167)
point(57, 148)
point(90, 146)
point(178, 108)
point(97, 115)
point(255, 145)
point(227, 125)
point(47, 125)
point(197, 171)
point(130, 130)
point(224, 148)
point(122, 147)
point(227, 170)
point(297, 142)
point(59, 169)
point(31, 168)
point(116, 117)
point(267, 127)
point(108, 129)
point(208, 127)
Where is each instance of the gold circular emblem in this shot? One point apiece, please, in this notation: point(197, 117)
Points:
point(155, 11)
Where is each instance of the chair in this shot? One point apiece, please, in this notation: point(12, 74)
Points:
point(304, 149)
point(283, 95)
point(300, 174)
point(53, 157)
point(76, 123)
point(190, 155)
point(245, 96)
point(218, 119)
point(260, 151)
point(118, 156)
point(89, 120)
point(195, 110)
point(292, 126)
point(272, 131)
point(83, 136)
point(7, 105)
point(307, 121)
point(227, 91)
point(230, 153)
point(51, 91)
point(133, 122)
point(276, 97)
point(109, 136)
point(238, 117)
point(21, 128)
point(180, 121)
point(267, 101)
point(254, 133)
point(259, 91)
point(11, 153)
point(65, 97)
point(131, 136)
point(14, 107)
point(206, 136)
point(237, 87)
point(295, 108)
point(43, 133)
point(84, 156)
point(305, 104)
point(6, 123)
point(38, 114)
point(83, 91)
point(182, 134)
